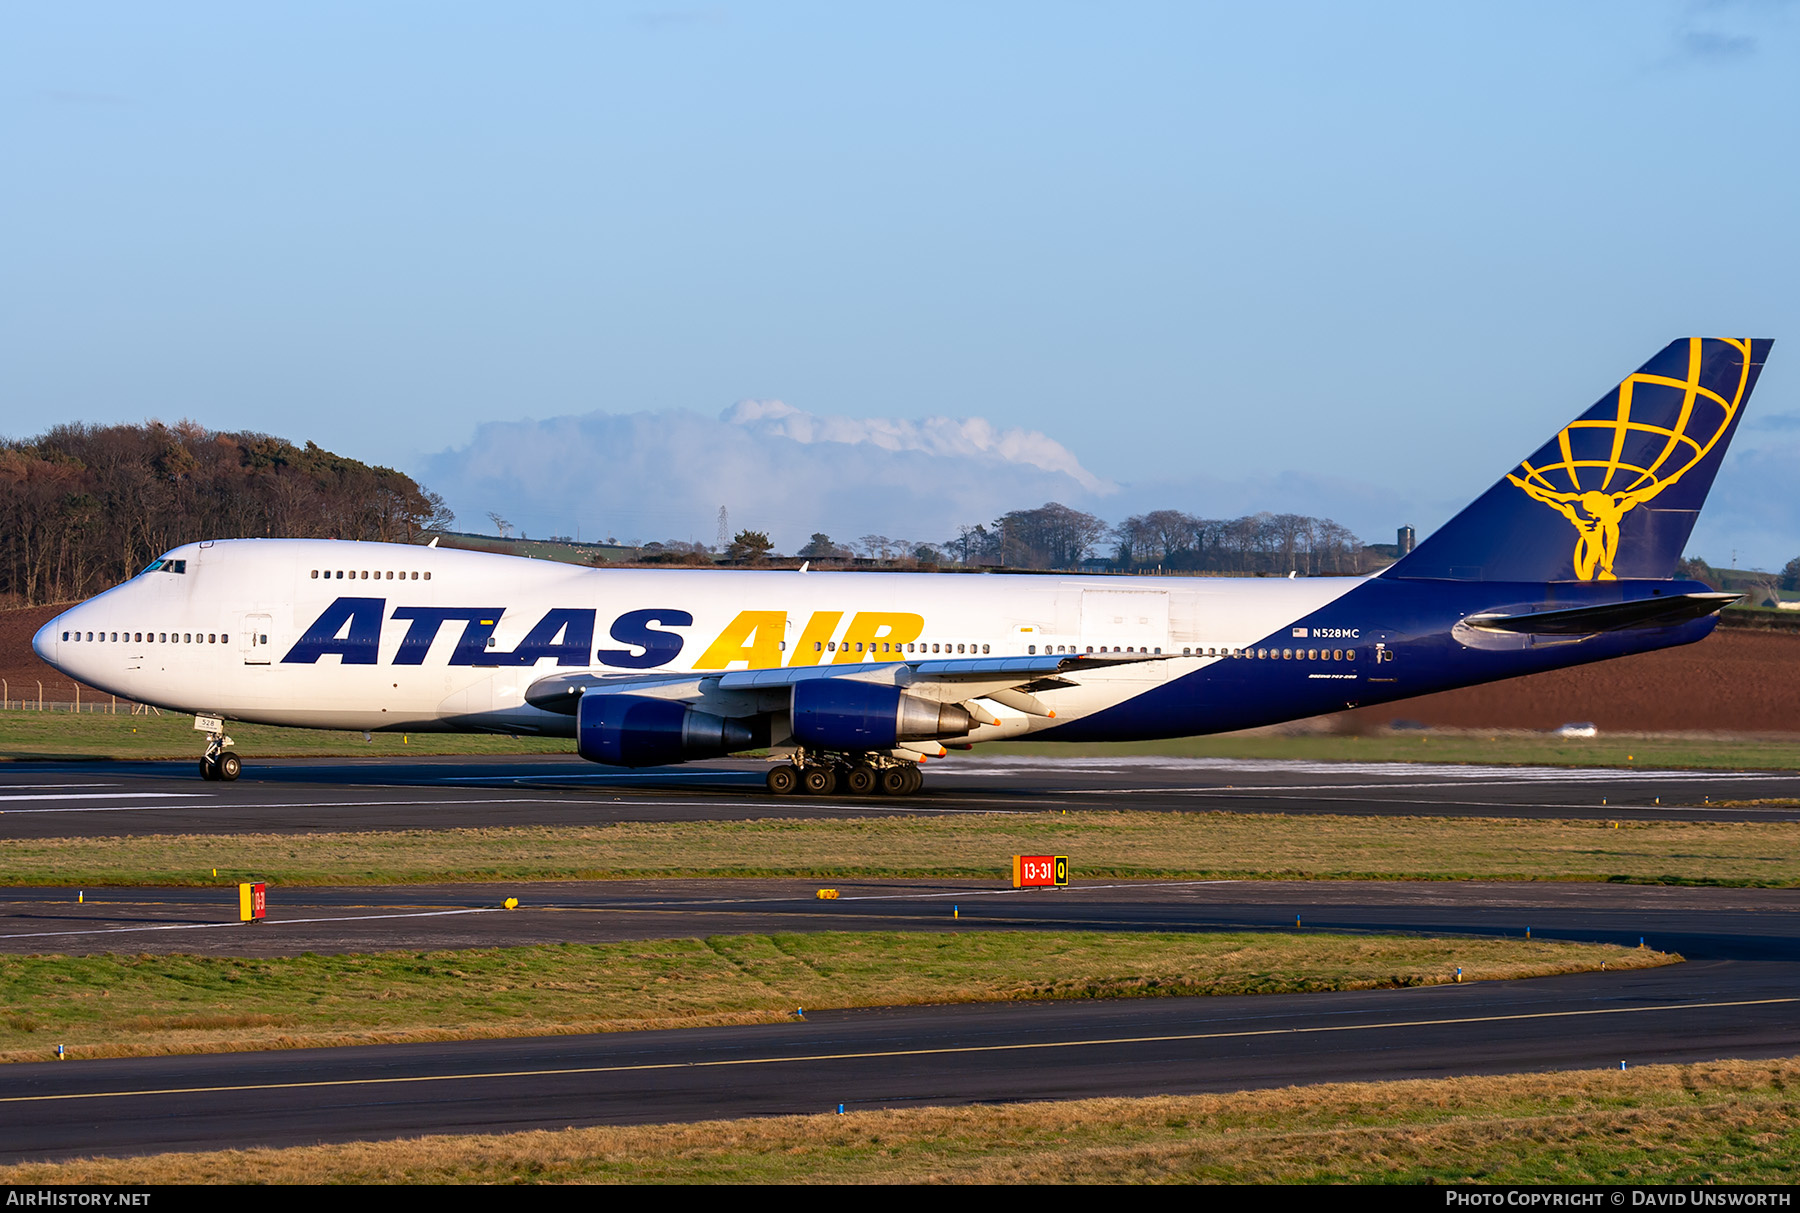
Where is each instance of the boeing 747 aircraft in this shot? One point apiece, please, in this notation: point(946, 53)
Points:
point(853, 679)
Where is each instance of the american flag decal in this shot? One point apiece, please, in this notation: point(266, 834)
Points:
point(1300, 633)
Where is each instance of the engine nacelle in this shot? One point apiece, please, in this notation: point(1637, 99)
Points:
point(842, 714)
point(638, 731)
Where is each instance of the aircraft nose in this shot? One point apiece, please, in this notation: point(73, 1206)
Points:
point(47, 638)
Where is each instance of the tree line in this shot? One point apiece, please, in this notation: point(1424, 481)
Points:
point(1054, 536)
point(83, 507)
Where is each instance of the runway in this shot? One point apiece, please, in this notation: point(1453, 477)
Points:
point(1738, 994)
point(42, 800)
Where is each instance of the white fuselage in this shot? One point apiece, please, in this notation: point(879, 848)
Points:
point(438, 639)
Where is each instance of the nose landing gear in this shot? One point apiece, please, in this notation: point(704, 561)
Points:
point(218, 763)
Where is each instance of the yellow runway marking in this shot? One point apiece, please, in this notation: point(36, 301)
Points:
point(937, 1052)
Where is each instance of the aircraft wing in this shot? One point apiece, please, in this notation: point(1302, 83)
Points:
point(746, 692)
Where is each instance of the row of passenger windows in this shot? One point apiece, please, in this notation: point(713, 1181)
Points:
point(1191, 651)
point(831, 646)
point(364, 575)
point(154, 637)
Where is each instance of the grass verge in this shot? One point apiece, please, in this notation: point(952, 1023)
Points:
point(26, 736)
point(110, 1006)
point(1099, 844)
point(1734, 1122)
point(69, 737)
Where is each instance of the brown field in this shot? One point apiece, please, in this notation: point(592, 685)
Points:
point(1735, 680)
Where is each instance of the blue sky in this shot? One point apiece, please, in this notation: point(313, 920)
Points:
point(1346, 260)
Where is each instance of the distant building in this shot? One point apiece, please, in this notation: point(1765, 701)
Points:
point(1403, 541)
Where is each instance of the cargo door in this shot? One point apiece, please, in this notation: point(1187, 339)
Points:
point(1134, 620)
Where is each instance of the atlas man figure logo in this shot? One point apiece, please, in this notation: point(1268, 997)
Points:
point(1610, 465)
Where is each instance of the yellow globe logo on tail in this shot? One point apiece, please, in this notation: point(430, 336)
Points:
point(1610, 465)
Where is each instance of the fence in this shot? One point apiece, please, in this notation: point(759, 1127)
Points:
point(109, 705)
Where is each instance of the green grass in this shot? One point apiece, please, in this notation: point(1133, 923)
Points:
point(68, 736)
point(1727, 1122)
point(1100, 845)
point(120, 1005)
point(96, 736)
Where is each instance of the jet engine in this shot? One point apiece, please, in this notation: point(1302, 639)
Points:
point(639, 731)
point(843, 714)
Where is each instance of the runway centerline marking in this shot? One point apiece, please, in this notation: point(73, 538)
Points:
point(104, 796)
point(874, 1054)
point(1482, 804)
point(761, 805)
point(1367, 787)
point(275, 922)
point(299, 804)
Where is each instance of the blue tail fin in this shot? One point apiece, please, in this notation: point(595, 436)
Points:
point(1615, 493)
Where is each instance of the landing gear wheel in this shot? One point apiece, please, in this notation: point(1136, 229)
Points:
point(209, 769)
point(783, 780)
point(861, 780)
point(915, 779)
point(228, 767)
point(819, 781)
point(895, 781)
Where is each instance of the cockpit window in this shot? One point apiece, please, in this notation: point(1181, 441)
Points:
point(166, 566)
point(154, 565)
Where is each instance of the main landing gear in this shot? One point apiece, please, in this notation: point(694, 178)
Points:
point(218, 762)
point(856, 774)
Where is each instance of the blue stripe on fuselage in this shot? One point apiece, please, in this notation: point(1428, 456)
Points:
point(1413, 619)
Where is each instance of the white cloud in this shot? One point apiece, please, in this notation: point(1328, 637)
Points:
point(774, 467)
point(971, 437)
point(781, 469)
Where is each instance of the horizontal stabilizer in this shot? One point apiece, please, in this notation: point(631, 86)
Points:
point(1662, 612)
